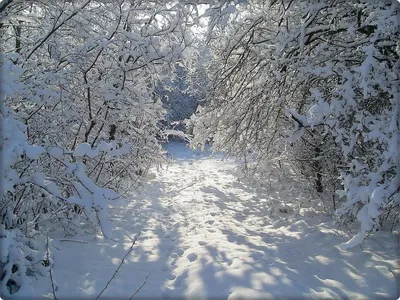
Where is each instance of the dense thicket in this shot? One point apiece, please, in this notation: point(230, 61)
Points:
point(314, 84)
point(79, 114)
point(178, 98)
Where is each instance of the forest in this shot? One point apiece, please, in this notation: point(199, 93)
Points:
point(103, 101)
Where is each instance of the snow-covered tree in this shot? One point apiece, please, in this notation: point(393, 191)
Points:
point(79, 113)
point(178, 98)
point(326, 70)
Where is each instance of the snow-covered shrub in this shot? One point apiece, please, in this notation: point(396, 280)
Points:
point(320, 76)
point(34, 198)
point(316, 159)
point(23, 255)
point(358, 106)
point(79, 114)
point(180, 103)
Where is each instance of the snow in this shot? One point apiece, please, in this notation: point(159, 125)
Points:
point(4, 244)
point(82, 149)
point(109, 148)
point(229, 10)
point(205, 234)
point(33, 152)
point(56, 152)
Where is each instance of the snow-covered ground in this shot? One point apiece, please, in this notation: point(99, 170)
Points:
point(205, 234)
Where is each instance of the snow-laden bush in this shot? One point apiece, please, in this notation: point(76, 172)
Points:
point(79, 115)
point(358, 104)
point(23, 255)
point(314, 83)
point(178, 98)
point(34, 197)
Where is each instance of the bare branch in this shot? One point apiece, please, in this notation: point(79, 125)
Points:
point(144, 282)
point(120, 265)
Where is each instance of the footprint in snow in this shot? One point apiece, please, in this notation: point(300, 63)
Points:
point(210, 222)
point(256, 256)
point(231, 239)
point(171, 277)
point(293, 252)
point(166, 247)
point(192, 257)
point(179, 251)
point(202, 243)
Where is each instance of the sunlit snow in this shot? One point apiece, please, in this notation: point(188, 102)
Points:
point(205, 234)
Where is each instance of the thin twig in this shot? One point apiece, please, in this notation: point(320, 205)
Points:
point(144, 282)
point(55, 28)
point(75, 241)
point(184, 188)
point(394, 274)
point(394, 220)
point(51, 273)
point(176, 193)
point(182, 211)
point(172, 194)
point(120, 265)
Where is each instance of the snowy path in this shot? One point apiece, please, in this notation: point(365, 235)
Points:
point(204, 234)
